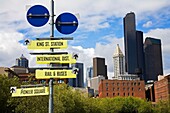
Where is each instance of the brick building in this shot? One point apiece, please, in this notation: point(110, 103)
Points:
point(124, 88)
point(162, 88)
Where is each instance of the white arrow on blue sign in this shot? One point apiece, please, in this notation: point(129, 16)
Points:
point(66, 23)
point(38, 15)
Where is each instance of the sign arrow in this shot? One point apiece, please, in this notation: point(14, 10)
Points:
point(75, 71)
point(13, 89)
point(26, 42)
point(75, 56)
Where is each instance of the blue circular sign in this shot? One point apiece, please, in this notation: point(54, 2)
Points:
point(38, 15)
point(66, 23)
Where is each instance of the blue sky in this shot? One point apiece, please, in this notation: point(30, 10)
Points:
point(100, 27)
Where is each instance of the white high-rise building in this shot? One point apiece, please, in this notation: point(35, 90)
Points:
point(118, 59)
point(119, 66)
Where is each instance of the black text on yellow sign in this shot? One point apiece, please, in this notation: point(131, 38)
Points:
point(47, 59)
point(47, 44)
point(47, 74)
point(31, 92)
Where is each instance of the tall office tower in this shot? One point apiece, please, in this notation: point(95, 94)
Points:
point(153, 58)
point(133, 46)
point(140, 70)
point(89, 72)
point(99, 67)
point(22, 61)
point(79, 80)
point(118, 59)
point(89, 75)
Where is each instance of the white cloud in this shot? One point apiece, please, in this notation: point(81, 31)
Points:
point(147, 24)
point(93, 15)
point(10, 48)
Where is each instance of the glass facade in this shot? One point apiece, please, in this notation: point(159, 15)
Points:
point(22, 61)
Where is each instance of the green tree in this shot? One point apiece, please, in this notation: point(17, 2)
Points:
point(7, 104)
point(162, 107)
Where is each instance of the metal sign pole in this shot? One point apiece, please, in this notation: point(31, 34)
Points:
point(51, 79)
point(52, 19)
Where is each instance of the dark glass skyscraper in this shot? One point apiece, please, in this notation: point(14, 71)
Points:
point(134, 55)
point(140, 70)
point(99, 67)
point(153, 58)
point(79, 80)
point(89, 72)
point(22, 61)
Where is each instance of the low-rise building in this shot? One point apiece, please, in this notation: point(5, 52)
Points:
point(162, 88)
point(7, 72)
point(124, 88)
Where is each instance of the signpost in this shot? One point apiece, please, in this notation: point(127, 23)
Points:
point(30, 92)
point(47, 59)
point(47, 74)
point(66, 23)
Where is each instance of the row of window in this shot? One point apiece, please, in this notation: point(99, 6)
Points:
point(118, 84)
point(128, 89)
point(118, 94)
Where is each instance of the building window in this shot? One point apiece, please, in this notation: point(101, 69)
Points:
point(112, 84)
point(132, 94)
point(128, 94)
point(117, 84)
point(123, 84)
point(132, 89)
point(128, 88)
point(113, 94)
point(139, 89)
point(107, 94)
point(123, 89)
point(113, 89)
point(138, 83)
point(118, 89)
point(107, 89)
point(106, 84)
point(123, 94)
point(118, 94)
point(134, 83)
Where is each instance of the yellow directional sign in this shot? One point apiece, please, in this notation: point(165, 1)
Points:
point(47, 44)
point(47, 74)
point(31, 92)
point(47, 59)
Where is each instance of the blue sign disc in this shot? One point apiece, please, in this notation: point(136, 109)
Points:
point(66, 23)
point(38, 15)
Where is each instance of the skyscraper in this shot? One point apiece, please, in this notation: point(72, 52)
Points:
point(153, 58)
point(89, 72)
point(99, 67)
point(118, 59)
point(89, 75)
point(22, 61)
point(140, 70)
point(134, 55)
point(79, 80)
